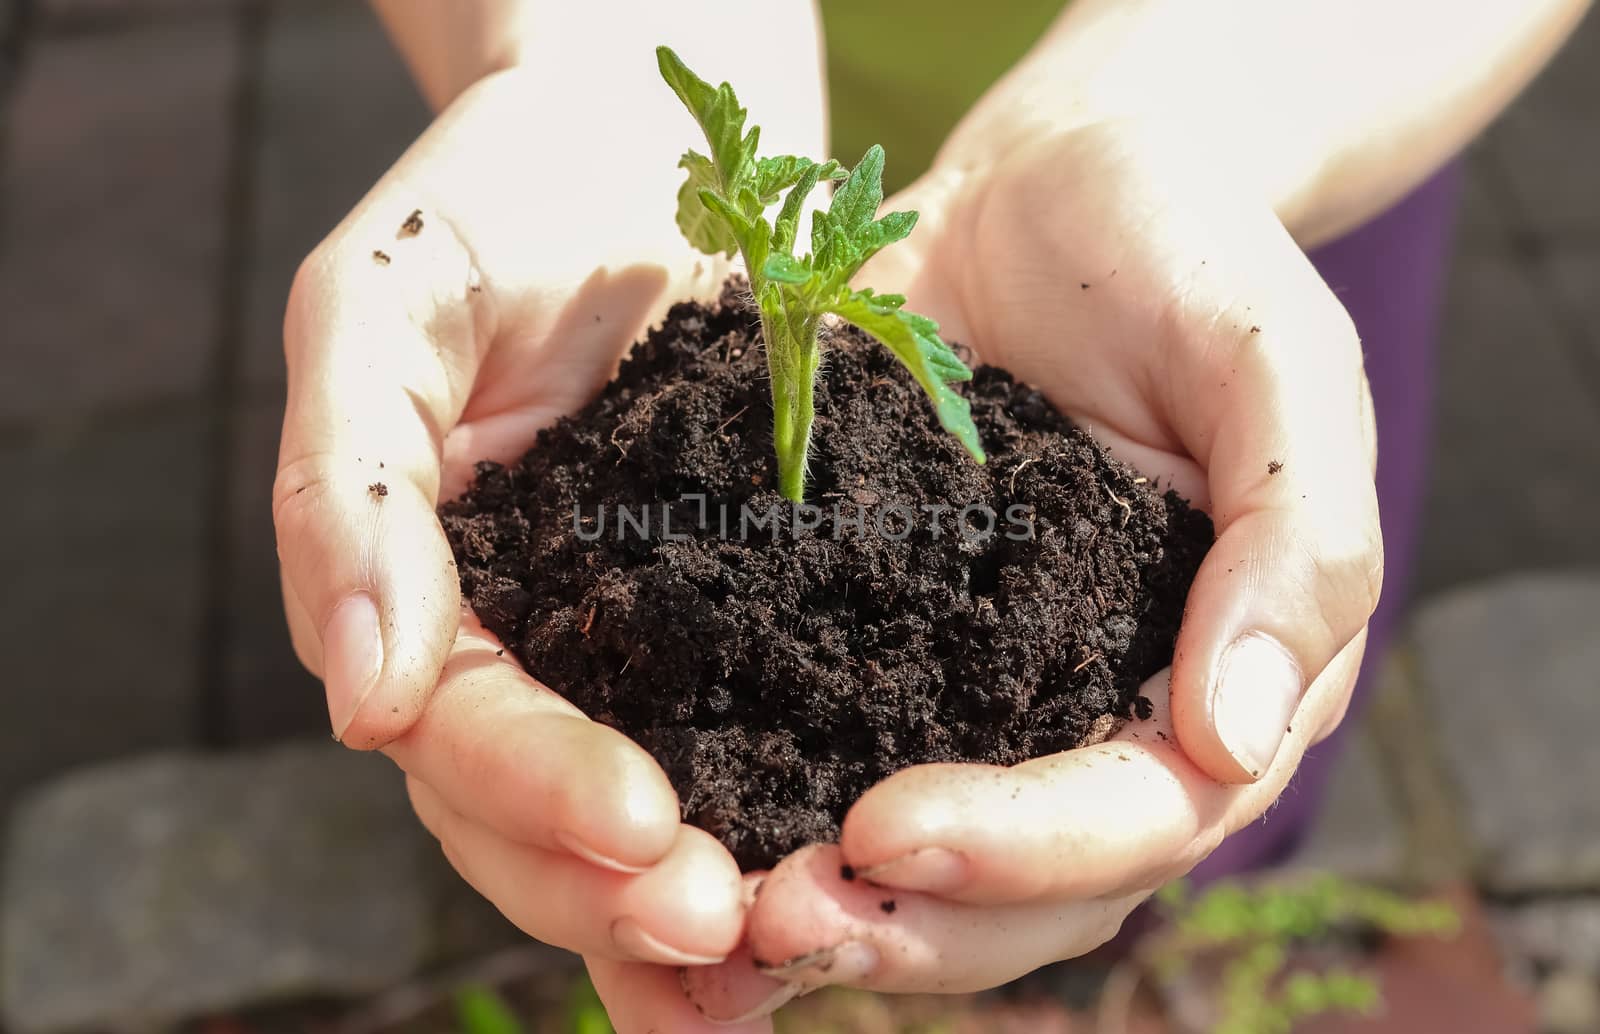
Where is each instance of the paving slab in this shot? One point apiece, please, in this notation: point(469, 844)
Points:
point(1511, 670)
point(1358, 833)
point(146, 891)
point(1574, 273)
point(99, 619)
point(1546, 145)
point(1516, 433)
point(112, 223)
point(1551, 933)
point(336, 109)
point(266, 694)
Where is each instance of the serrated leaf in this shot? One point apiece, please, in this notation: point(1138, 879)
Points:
point(775, 175)
point(873, 238)
point(896, 226)
point(752, 233)
point(702, 227)
point(915, 341)
point(786, 269)
point(721, 118)
point(855, 203)
point(788, 222)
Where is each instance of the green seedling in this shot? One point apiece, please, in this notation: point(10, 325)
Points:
point(722, 211)
point(1253, 932)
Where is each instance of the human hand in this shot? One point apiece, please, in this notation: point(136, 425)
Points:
point(1160, 303)
point(544, 242)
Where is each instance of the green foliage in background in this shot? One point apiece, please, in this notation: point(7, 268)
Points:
point(585, 1014)
point(480, 1010)
point(1256, 928)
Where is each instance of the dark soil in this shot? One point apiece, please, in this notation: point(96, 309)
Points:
point(777, 681)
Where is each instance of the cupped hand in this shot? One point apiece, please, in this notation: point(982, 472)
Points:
point(487, 285)
point(1161, 304)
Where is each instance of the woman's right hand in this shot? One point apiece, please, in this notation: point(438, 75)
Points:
point(486, 286)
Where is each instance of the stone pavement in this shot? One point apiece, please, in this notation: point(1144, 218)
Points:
point(164, 164)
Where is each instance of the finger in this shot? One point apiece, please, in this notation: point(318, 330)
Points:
point(686, 910)
point(1286, 441)
point(382, 338)
point(646, 999)
point(734, 991)
point(811, 927)
point(518, 759)
point(1120, 817)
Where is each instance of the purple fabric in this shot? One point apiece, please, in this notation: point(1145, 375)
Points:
point(1390, 275)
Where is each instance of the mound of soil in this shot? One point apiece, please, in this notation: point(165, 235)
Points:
point(777, 668)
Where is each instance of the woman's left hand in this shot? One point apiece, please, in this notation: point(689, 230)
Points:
point(1168, 311)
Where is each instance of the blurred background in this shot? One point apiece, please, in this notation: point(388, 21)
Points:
point(180, 846)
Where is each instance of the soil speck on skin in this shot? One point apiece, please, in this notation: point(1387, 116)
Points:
point(778, 675)
point(1143, 708)
point(1083, 287)
point(413, 224)
point(378, 489)
point(1255, 330)
point(380, 256)
point(500, 652)
point(847, 873)
point(1274, 467)
point(888, 906)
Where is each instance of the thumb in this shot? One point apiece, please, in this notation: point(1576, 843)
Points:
point(1271, 398)
point(381, 341)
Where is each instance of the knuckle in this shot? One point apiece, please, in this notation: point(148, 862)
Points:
point(1350, 582)
point(297, 491)
point(305, 291)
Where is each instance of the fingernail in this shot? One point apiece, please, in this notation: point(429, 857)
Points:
point(1253, 700)
point(632, 939)
point(352, 652)
point(781, 995)
point(593, 857)
point(932, 870)
point(846, 963)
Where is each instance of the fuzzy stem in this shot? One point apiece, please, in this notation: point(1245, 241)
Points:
point(792, 362)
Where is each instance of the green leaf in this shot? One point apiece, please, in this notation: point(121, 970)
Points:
point(752, 232)
point(585, 1013)
point(855, 203)
point(721, 119)
point(700, 226)
point(788, 222)
point(786, 269)
point(915, 342)
point(873, 238)
point(775, 175)
point(480, 1010)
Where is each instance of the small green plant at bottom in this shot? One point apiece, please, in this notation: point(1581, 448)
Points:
point(482, 1010)
point(722, 209)
point(1254, 931)
point(585, 1014)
